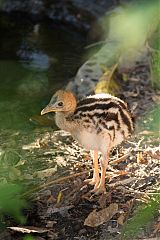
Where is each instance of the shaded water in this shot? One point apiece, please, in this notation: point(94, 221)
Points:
point(35, 60)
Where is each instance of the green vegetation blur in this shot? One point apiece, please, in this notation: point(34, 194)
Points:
point(11, 202)
point(144, 214)
point(132, 28)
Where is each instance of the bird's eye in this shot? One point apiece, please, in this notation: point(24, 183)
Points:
point(60, 104)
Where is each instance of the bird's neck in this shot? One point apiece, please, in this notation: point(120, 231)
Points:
point(63, 122)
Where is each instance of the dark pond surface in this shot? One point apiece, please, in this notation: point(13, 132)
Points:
point(35, 60)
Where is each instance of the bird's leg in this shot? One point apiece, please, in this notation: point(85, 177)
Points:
point(95, 169)
point(104, 164)
point(95, 180)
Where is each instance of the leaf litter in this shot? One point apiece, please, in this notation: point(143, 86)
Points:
point(53, 167)
point(96, 218)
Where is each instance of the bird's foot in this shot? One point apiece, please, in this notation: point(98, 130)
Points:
point(91, 181)
point(98, 189)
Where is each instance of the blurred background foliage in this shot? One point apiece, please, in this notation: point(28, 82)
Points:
point(133, 26)
point(28, 237)
point(129, 33)
point(141, 218)
point(11, 202)
point(155, 62)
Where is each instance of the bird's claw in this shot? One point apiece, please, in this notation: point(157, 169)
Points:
point(91, 181)
point(98, 189)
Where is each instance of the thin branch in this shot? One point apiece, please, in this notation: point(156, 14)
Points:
point(114, 162)
point(45, 185)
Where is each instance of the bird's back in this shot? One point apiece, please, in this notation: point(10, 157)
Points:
point(103, 115)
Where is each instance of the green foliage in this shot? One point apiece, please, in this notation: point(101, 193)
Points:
point(133, 25)
point(9, 157)
point(155, 65)
point(9, 161)
point(28, 237)
point(128, 29)
point(151, 121)
point(143, 216)
point(11, 202)
point(154, 125)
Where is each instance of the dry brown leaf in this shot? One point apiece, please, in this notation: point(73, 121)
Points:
point(95, 218)
point(156, 98)
point(122, 182)
point(153, 152)
point(120, 173)
point(123, 173)
point(102, 200)
point(121, 219)
point(146, 132)
point(157, 228)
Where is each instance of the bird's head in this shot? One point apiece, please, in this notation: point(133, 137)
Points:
point(62, 101)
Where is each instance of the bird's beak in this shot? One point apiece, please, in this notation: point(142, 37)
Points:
point(48, 108)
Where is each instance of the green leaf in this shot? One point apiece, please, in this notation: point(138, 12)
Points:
point(28, 237)
point(142, 217)
point(11, 202)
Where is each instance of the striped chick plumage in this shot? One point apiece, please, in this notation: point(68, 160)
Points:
point(98, 122)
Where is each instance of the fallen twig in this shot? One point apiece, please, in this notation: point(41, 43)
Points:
point(114, 162)
point(62, 179)
point(122, 182)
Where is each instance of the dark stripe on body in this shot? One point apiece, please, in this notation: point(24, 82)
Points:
point(106, 116)
point(96, 106)
point(85, 101)
point(88, 101)
point(110, 128)
point(106, 106)
point(126, 121)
